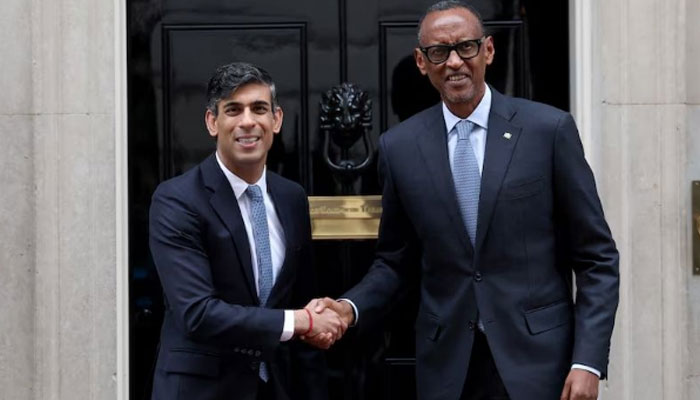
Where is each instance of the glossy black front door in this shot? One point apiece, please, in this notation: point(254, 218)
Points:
point(308, 47)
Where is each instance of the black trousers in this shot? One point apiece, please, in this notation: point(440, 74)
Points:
point(483, 381)
point(265, 391)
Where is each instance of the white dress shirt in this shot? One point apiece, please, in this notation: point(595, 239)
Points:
point(480, 118)
point(277, 240)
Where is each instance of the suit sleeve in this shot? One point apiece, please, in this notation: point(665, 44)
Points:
point(309, 377)
point(589, 248)
point(176, 242)
point(398, 249)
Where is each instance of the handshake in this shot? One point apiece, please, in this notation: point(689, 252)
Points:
point(323, 321)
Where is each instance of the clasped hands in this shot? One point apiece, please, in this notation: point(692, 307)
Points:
point(323, 321)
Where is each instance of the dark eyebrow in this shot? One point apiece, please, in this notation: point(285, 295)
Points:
point(230, 104)
point(255, 103)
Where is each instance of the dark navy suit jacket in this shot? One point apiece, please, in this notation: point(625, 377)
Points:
point(539, 219)
point(215, 333)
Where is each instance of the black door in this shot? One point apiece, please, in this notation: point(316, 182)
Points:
point(308, 47)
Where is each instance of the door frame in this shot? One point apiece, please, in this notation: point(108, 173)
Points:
point(581, 39)
point(121, 159)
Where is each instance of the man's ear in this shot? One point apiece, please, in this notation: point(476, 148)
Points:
point(420, 61)
point(489, 49)
point(278, 115)
point(210, 121)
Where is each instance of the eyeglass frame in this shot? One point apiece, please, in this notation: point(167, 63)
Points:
point(451, 47)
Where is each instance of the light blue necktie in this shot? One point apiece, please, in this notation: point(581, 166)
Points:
point(467, 179)
point(261, 234)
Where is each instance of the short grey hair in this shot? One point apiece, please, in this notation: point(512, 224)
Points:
point(228, 78)
point(449, 5)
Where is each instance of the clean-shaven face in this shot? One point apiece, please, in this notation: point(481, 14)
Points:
point(244, 127)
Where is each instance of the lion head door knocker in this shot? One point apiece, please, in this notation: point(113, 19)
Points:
point(346, 117)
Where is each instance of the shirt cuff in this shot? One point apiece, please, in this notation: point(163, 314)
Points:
point(586, 368)
point(288, 328)
point(354, 310)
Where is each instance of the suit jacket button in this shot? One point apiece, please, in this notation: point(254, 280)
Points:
point(251, 352)
point(257, 353)
point(236, 349)
point(477, 276)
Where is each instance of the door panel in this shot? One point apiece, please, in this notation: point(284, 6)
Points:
point(308, 47)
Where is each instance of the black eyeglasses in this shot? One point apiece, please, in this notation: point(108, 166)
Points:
point(439, 53)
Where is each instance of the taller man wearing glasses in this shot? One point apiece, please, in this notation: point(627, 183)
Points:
point(489, 205)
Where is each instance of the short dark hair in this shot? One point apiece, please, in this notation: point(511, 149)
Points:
point(228, 78)
point(448, 5)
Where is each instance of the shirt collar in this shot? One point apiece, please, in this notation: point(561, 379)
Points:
point(238, 185)
point(480, 115)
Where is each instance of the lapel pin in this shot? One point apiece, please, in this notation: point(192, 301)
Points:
point(507, 135)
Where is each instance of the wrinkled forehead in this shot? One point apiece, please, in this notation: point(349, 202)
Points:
point(459, 23)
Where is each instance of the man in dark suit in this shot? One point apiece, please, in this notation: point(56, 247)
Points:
point(489, 203)
point(232, 245)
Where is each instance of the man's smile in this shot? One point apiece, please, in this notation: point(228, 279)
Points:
point(248, 140)
point(457, 77)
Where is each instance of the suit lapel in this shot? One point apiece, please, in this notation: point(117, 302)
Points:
point(224, 203)
point(432, 144)
point(501, 138)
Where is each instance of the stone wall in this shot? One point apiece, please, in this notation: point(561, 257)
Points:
point(640, 147)
point(692, 142)
point(57, 143)
point(17, 244)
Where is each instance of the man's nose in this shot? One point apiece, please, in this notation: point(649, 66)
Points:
point(247, 118)
point(454, 61)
